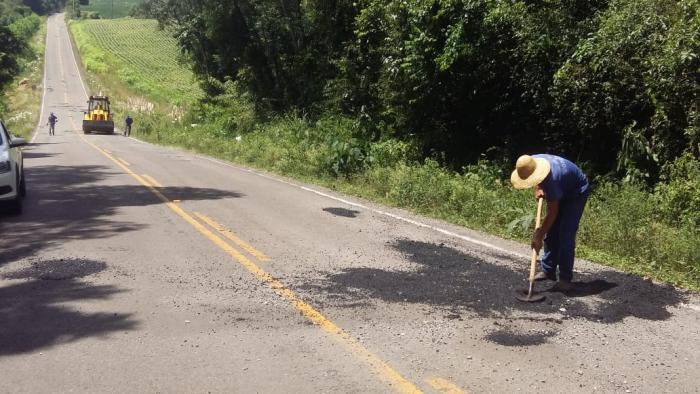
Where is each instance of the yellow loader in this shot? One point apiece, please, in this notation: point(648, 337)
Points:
point(98, 117)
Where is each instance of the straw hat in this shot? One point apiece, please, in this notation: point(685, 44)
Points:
point(529, 171)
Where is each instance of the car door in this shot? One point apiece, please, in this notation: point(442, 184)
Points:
point(15, 153)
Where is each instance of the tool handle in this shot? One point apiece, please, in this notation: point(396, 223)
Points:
point(533, 263)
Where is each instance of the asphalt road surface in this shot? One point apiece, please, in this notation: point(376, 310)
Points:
point(138, 268)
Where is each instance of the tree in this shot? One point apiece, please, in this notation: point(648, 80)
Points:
point(629, 94)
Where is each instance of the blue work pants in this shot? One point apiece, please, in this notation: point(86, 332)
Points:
point(560, 241)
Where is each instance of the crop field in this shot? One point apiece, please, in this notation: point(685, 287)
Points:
point(109, 8)
point(138, 54)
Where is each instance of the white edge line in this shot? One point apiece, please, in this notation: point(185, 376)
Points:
point(43, 90)
point(367, 208)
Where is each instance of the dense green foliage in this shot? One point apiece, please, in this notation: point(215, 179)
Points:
point(44, 7)
point(632, 89)
point(613, 83)
point(18, 24)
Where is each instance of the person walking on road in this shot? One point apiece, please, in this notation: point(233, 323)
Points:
point(566, 189)
point(52, 124)
point(128, 121)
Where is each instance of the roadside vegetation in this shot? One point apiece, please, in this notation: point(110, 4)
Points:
point(100, 9)
point(425, 105)
point(21, 66)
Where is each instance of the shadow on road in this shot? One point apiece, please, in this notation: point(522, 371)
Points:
point(467, 283)
point(58, 270)
point(79, 202)
point(33, 313)
point(344, 212)
point(38, 155)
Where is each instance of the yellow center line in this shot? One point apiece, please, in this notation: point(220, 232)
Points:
point(126, 163)
point(444, 386)
point(152, 181)
point(383, 369)
point(232, 236)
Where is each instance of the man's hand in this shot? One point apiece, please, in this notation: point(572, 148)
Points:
point(539, 193)
point(537, 240)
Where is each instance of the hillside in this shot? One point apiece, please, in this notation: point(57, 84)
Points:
point(139, 54)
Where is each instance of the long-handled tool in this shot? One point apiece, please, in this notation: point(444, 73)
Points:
point(530, 296)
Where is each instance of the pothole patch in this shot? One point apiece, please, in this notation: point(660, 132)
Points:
point(60, 269)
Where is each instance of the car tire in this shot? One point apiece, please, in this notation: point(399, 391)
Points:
point(23, 186)
point(16, 204)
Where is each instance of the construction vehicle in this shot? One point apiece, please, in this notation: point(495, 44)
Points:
point(98, 117)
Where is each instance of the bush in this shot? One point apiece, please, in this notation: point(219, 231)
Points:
point(345, 157)
point(629, 93)
point(617, 218)
point(391, 152)
point(230, 111)
point(679, 192)
point(25, 28)
point(90, 15)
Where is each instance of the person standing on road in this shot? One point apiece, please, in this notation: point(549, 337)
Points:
point(566, 189)
point(52, 124)
point(128, 121)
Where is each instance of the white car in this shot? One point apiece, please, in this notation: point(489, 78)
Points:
point(12, 185)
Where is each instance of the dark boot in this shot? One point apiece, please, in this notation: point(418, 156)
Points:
point(542, 275)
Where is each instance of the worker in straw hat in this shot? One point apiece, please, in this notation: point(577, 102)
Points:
point(565, 187)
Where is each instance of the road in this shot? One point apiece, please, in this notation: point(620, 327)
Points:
point(139, 268)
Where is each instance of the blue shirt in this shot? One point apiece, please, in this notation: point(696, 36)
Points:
point(565, 179)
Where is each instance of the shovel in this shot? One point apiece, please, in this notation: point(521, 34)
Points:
point(530, 296)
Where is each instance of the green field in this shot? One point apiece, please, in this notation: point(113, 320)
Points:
point(109, 8)
point(138, 54)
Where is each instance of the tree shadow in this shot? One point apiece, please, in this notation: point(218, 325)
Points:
point(347, 213)
point(78, 202)
point(58, 269)
point(33, 315)
point(32, 145)
point(463, 282)
point(28, 154)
